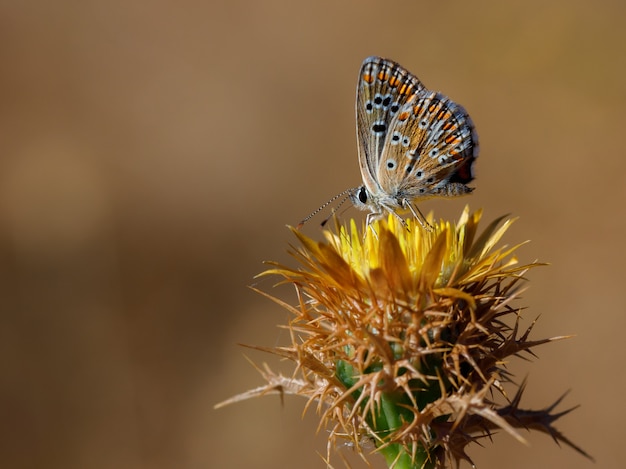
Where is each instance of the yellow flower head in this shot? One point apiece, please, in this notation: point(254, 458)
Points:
point(401, 334)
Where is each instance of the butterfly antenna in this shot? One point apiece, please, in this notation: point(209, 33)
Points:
point(334, 210)
point(345, 193)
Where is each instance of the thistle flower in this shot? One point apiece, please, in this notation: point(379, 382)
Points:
point(401, 336)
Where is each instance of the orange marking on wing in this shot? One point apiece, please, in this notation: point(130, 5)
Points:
point(393, 82)
point(452, 139)
point(454, 153)
point(403, 116)
point(367, 78)
point(449, 126)
point(417, 110)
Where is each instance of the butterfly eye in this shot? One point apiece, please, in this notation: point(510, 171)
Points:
point(378, 100)
point(395, 107)
point(386, 101)
point(391, 164)
point(406, 141)
point(362, 195)
point(369, 107)
point(433, 153)
point(423, 124)
point(395, 138)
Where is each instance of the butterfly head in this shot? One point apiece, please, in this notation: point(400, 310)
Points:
point(377, 203)
point(361, 198)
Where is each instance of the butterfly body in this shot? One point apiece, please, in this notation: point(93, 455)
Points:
point(413, 143)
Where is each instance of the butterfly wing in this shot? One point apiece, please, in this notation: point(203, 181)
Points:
point(428, 151)
point(384, 88)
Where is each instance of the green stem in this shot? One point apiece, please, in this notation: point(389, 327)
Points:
point(396, 454)
point(390, 417)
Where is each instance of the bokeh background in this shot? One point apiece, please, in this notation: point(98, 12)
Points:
point(151, 154)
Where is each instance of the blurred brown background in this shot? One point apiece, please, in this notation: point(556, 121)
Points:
point(151, 154)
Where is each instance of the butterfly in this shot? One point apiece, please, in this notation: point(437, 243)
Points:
point(413, 143)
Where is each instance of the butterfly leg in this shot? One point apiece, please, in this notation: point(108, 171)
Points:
point(371, 217)
point(418, 215)
point(400, 219)
point(369, 220)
